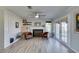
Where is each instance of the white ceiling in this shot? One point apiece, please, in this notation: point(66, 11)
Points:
point(50, 11)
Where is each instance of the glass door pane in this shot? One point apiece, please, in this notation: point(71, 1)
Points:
point(48, 27)
point(57, 30)
point(64, 31)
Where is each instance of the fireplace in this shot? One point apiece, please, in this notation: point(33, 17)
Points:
point(37, 32)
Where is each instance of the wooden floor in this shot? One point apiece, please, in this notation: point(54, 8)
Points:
point(36, 45)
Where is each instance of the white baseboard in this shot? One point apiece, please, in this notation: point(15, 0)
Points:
point(12, 43)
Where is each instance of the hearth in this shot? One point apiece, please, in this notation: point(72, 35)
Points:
point(37, 32)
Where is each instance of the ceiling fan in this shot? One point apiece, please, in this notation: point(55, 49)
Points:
point(29, 7)
point(37, 15)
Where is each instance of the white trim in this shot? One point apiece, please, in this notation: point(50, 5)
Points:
point(12, 43)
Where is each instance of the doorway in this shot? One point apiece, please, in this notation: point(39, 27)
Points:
point(61, 31)
point(64, 31)
point(49, 27)
point(57, 30)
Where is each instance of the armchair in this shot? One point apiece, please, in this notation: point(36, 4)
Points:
point(27, 35)
point(45, 35)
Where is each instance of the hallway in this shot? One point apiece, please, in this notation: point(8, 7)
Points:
point(36, 45)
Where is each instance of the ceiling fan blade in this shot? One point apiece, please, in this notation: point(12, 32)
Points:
point(29, 7)
point(31, 17)
point(42, 15)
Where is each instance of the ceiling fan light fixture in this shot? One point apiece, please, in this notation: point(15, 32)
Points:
point(37, 15)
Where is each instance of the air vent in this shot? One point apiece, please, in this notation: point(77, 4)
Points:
point(11, 40)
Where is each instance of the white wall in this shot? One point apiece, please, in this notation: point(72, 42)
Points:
point(74, 36)
point(10, 30)
point(31, 27)
point(1, 29)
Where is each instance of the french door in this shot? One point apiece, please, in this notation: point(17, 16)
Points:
point(61, 31)
point(49, 27)
point(64, 31)
point(57, 30)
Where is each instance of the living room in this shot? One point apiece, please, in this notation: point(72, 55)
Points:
point(39, 29)
point(45, 28)
point(16, 27)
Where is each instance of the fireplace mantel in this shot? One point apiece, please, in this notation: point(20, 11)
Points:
point(37, 28)
point(31, 28)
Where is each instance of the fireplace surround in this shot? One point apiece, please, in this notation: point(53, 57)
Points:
point(37, 32)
